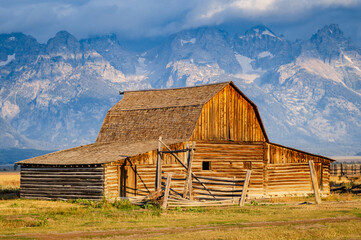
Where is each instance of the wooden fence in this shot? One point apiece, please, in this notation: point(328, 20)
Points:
point(206, 191)
point(345, 170)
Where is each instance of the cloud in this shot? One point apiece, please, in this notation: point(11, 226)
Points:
point(149, 18)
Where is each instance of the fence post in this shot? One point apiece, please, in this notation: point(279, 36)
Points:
point(158, 177)
point(314, 182)
point(245, 188)
point(166, 191)
point(234, 188)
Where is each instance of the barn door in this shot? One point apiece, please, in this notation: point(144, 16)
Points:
point(318, 168)
point(127, 181)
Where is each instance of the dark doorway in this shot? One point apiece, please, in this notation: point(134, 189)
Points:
point(127, 181)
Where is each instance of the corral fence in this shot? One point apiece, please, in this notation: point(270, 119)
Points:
point(209, 191)
point(345, 170)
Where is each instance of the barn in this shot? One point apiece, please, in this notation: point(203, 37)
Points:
point(211, 131)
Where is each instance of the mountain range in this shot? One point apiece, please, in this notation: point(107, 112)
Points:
point(55, 95)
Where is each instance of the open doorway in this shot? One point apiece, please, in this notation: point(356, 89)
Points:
point(127, 181)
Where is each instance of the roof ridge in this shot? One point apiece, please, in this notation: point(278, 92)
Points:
point(138, 109)
point(176, 88)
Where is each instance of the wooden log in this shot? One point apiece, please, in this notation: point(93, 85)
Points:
point(166, 191)
point(222, 179)
point(159, 166)
point(245, 188)
point(314, 182)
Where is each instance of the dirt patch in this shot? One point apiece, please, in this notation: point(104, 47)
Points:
point(152, 232)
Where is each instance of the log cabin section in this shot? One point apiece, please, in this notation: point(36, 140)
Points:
point(225, 125)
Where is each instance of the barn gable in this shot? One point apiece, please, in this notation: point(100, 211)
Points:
point(229, 115)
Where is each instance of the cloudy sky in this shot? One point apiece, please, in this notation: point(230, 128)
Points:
point(134, 19)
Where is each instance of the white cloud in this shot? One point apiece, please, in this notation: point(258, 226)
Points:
point(147, 17)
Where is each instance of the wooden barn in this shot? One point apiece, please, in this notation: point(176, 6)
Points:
point(208, 132)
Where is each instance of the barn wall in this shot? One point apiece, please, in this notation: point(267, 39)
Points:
point(47, 182)
point(227, 160)
point(232, 160)
point(111, 181)
point(228, 116)
point(288, 179)
point(287, 171)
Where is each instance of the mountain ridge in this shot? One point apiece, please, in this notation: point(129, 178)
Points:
point(57, 93)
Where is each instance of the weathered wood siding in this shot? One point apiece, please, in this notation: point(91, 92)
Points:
point(280, 154)
point(288, 179)
point(228, 116)
point(227, 160)
point(46, 182)
point(276, 170)
point(230, 160)
point(111, 181)
point(287, 171)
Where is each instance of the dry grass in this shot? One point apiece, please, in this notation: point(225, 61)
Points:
point(337, 180)
point(35, 219)
point(9, 185)
point(10, 179)
point(31, 217)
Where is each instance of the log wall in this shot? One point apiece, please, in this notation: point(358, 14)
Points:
point(227, 160)
point(287, 171)
point(111, 181)
point(276, 170)
point(228, 116)
point(278, 154)
point(61, 182)
point(288, 179)
point(230, 160)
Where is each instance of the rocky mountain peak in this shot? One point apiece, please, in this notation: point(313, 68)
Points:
point(260, 31)
point(329, 41)
point(63, 42)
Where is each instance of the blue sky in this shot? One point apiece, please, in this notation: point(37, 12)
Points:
point(134, 19)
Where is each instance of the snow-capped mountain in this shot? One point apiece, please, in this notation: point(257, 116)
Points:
point(308, 92)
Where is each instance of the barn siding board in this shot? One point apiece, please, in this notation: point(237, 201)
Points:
point(62, 182)
point(216, 121)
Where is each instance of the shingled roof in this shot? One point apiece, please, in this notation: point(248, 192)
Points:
point(95, 153)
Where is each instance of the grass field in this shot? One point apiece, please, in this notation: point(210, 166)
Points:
point(338, 217)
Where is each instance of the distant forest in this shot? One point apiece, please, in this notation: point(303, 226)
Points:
point(12, 155)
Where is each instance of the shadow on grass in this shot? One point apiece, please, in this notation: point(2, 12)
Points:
point(9, 193)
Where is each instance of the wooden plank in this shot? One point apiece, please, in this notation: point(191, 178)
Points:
point(314, 182)
point(188, 182)
point(166, 191)
point(245, 188)
point(159, 166)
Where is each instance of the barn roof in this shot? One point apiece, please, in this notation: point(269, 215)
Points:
point(97, 153)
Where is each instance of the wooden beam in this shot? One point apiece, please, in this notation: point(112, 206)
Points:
point(188, 182)
point(186, 160)
point(234, 187)
point(314, 182)
point(158, 177)
point(245, 188)
point(166, 191)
